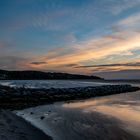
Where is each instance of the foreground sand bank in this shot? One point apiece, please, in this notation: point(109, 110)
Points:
point(13, 127)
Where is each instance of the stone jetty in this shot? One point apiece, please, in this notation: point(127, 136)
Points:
point(18, 98)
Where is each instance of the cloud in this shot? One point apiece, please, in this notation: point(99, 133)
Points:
point(136, 64)
point(122, 40)
point(129, 22)
point(60, 17)
point(116, 7)
point(86, 14)
point(97, 48)
point(13, 62)
point(121, 74)
point(120, 44)
point(110, 67)
point(38, 63)
point(71, 65)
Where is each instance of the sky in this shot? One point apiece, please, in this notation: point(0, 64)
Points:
point(75, 36)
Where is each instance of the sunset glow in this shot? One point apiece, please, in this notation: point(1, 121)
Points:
point(82, 36)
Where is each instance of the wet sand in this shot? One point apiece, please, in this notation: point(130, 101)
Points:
point(115, 117)
point(13, 127)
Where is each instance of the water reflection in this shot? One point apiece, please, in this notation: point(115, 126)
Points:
point(120, 109)
point(125, 107)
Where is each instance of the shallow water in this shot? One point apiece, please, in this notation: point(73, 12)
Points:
point(106, 118)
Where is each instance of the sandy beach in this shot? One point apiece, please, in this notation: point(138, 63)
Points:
point(13, 127)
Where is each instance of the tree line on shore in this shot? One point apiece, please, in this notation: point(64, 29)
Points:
point(39, 75)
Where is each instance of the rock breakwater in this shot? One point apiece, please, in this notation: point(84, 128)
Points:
point(18, 98)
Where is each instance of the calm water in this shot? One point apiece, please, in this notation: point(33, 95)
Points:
point(114, 117)
point(50, 83)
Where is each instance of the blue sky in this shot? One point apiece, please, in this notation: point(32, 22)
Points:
point(68, 34)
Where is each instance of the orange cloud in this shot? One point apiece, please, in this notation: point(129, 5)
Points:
point(97, 49)
point(122, 42)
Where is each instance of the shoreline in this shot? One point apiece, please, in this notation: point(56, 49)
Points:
point(13, 127)
point(19, 121)
point(80, 120)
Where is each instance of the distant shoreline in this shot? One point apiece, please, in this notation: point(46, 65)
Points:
point(39, 75)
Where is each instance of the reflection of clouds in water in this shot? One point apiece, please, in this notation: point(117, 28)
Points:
point(125, 113)
point(120, 109)
point(125, 107)
point(85, 104)
point(130, 115)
